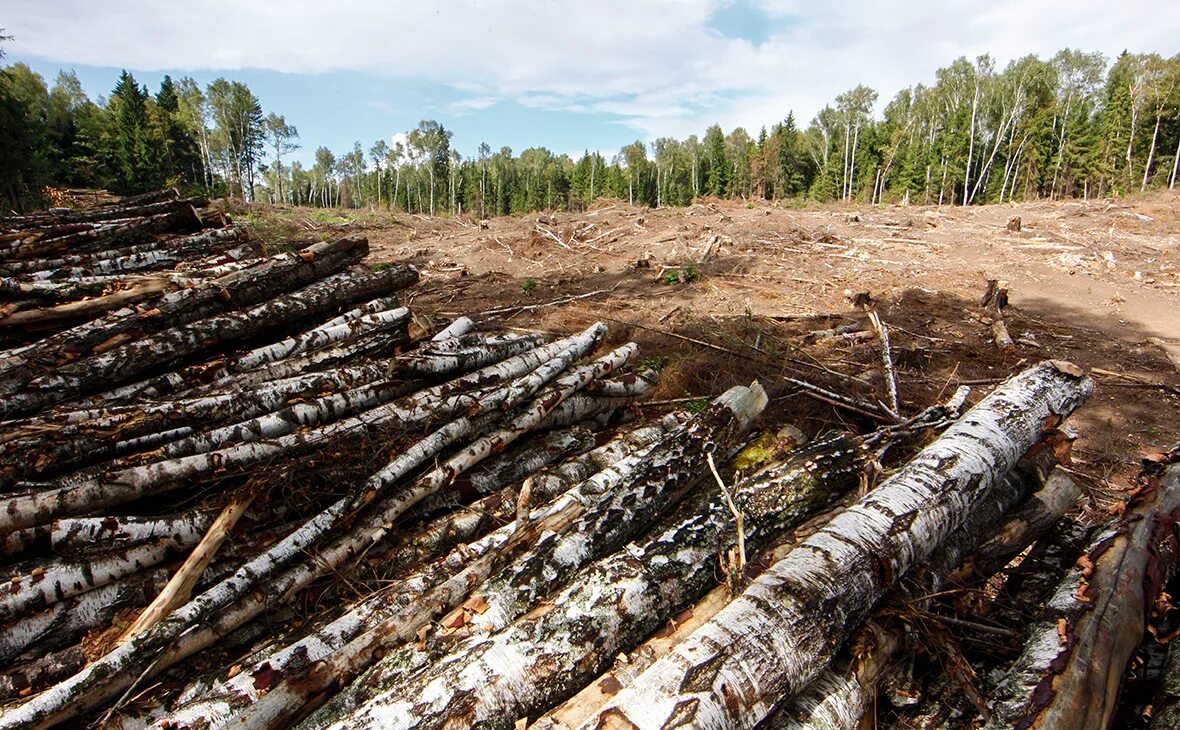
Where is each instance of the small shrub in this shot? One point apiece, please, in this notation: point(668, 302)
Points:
point(696, 405)
point(529, 284)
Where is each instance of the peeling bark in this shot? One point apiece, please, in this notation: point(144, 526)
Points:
point(778, 635)
point(1027, 521)
point(1075, 658)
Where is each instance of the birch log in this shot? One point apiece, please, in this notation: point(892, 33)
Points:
point(1076, 656)
point(60, 442)
point(124, 363)
point(64, 622)
point(71, 497)
point(1030, 519)
point(841, 696)
point(164, 254)
point(778, 635)
point(315, 338)
point(299, 684)
point(584, 525)
point(57, 581)
point(202, 620)
point(466, 524)
point(239, 289)
point(541, 659)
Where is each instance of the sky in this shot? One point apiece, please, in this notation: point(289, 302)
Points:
point(568, 75)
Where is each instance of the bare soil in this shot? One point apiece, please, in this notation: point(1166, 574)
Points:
point(1096, 283)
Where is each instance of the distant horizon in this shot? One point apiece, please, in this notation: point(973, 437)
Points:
point(514, 75)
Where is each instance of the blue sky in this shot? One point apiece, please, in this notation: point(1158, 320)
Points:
point(567, 75)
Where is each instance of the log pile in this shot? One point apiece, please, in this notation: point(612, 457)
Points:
point(262, 492)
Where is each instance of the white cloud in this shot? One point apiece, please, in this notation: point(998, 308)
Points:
point(471, 104)
point(657, 65)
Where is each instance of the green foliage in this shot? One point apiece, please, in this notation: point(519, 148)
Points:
point(653, 362)
point(529, 284)
point(696, 405)
point(686, 274)
point(1072, 125)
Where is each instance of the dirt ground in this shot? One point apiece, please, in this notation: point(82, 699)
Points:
point(1096, 283)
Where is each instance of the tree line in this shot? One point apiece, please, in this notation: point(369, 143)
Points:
point(1075, 125)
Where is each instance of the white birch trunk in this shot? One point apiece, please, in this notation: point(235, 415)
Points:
point(788, 624)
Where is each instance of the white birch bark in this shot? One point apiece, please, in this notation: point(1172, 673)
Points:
point(489, 680)
point(395, 626)
point(198, 623)
point(60, 580)
point(92, 493)
point(343, 327)
point(778, 635)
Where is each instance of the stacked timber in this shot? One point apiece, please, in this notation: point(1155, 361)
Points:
point(262, 492)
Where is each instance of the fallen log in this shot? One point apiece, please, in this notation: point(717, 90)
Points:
point(158, 255)
point(60, 580)
point(442, 401)
point(1166, 703)
point(44, 318)
point(31, 676)
point(778, 635)
point(239, 289)
point(627, 667)
point(95, 534)
point(469, 523)
point(122, 231)
point(1033, 517)
point(59, 442)
point(610, 606)
point(123, 363)
point(139, 205)
point(180, 587)
point(995, 298)
point(66, 621)
point(202, 620)
point(299, 686)
point(46, 294)
point(506, 470)
point(317, 337)
point(205, 701)
point(840, 696)
point(1075, 658)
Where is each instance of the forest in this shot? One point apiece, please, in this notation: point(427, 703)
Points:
point(1076, 125)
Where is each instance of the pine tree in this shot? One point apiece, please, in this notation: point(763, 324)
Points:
point(129, 137)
